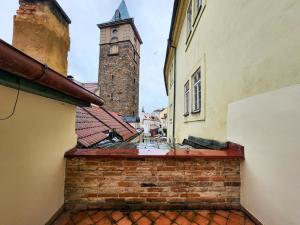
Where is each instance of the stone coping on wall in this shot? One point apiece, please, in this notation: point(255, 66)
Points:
point(234, 151)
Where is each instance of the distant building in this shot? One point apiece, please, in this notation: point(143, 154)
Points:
point(119, 64)
point(154, 121)
point(163, 118)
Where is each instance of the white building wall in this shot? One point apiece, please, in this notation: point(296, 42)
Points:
point(268, 125)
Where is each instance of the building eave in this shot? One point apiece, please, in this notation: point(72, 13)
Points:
point(17, 63)
point(170, 41)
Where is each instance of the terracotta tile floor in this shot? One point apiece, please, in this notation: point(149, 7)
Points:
point(149, 217)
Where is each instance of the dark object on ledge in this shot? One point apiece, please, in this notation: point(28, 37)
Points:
point(201, 143)
point(131, 119)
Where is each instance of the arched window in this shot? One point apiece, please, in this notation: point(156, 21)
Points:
point(114, 33)
point(135, 42)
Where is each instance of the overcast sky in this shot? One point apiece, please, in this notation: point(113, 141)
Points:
point(152, 18)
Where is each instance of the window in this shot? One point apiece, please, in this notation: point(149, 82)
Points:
point(114, 49)
point(186, 98)
point(198, 5)
point(133, 81)
point(135, 57)
point(112, 77)
point(189, 20)
point(112, 96)
point(197, 91)
point(114, 33)
point(135, 42)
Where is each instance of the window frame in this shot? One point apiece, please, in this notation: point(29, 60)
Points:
point(189, 16)
point(198, 9)
point(186, 98)
point(196, 92)
point(114, 32)
point(111, 48)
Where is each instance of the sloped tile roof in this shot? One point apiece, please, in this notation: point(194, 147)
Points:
point(93, 124)
point(89, 130)
point(120, 119)
point(111, 121)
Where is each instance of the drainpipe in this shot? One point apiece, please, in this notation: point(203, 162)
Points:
point(174, 95)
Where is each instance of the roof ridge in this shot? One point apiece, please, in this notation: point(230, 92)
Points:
point(117, 119)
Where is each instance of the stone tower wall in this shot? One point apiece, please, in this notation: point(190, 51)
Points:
point(119, 71)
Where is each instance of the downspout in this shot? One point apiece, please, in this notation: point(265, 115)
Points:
point(174, 94)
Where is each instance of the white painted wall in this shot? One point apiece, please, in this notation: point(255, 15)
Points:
point(268, 125)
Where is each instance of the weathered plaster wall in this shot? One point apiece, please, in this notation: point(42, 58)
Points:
point(41, 34)
point(268, 126)
point(152, 183)
point(32, 146)
point(246, 48)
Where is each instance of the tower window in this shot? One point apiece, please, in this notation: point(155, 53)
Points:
point(134, 81)
point(114, 33)
point(135, 42)
point(111, 96)
point(112, 77)
point(135, 57)
point(114, 49)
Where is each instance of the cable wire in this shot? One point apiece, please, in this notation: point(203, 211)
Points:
point(15, 105)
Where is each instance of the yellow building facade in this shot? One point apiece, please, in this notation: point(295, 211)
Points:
point(234, 49)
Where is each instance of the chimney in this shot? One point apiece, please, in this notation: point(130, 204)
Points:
point(41, 30)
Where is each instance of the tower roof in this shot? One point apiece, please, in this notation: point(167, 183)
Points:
point(121, 13)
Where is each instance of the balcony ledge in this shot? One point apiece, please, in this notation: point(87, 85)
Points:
point(233, 151)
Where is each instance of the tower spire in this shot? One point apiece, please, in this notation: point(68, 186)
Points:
point(121, 12)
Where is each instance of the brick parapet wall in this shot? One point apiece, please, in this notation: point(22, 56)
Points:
point(123, 183)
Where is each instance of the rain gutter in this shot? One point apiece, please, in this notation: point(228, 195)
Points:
point(21, 65)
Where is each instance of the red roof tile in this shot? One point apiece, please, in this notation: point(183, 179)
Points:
point(118, 117)
point(111, 121)
point(89, 130)
point(93, 124)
